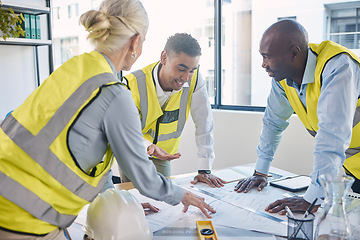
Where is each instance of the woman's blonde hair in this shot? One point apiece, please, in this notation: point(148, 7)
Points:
point(116, 21)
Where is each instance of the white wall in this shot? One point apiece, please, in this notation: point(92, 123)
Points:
point(309, 13)
point(236, 135)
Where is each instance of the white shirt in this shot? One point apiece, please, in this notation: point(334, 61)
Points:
point(201, 114)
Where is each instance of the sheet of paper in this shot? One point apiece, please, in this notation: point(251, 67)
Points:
point(250, 207)
point(233, 216)
point(167, 214)
point(229, 175)
point(185, 229)
point(246, 171)
point(353, 211)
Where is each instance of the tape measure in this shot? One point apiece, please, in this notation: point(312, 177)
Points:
point(206, 230)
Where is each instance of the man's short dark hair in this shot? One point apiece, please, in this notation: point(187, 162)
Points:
point(183, 42)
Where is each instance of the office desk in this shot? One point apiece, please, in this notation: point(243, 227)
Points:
point(186, 227)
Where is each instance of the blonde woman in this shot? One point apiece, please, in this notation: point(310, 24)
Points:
point(52, 146)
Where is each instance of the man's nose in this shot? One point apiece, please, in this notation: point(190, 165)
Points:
point(185, 77)
point(263, 65)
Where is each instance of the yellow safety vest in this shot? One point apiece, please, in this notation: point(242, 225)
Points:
point(162, 128)
point(325, 51)
point(42, 188)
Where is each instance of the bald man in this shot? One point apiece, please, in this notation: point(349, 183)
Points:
point(321, 83)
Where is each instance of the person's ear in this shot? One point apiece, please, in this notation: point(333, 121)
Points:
point(163, 57)
point(134, 42)
point(295, 52)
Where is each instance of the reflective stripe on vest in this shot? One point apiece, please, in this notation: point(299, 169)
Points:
point(48, 160)
point(325, 51)
point(141, 80)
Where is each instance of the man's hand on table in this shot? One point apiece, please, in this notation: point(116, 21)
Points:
point(194, 200)
point(211, 180)
point(246, 184)
point(161, 154)
point(295, 203)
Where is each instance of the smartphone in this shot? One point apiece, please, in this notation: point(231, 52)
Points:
point(293, 184)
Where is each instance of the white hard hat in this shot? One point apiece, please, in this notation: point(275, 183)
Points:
point(116, 215)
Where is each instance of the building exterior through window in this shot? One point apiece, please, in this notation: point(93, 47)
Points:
point(241, 80)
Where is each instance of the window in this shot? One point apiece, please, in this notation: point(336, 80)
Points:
point(236, 53)
point(64, 49)
point(73, 10)
point(57, 12)
point(290, 18)
point(345, 27)
point(195, 17)
point(230, 61)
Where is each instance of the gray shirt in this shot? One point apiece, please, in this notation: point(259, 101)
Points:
point(112, 118)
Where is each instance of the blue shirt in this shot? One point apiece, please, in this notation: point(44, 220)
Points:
point(336, 108)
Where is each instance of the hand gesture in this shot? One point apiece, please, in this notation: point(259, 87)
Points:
point(192, 199)
point(161, 154)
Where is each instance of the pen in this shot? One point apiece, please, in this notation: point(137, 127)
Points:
point(288, 210)
point(290, 213)
point(307, 212)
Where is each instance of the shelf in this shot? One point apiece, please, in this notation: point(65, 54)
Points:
point(29, 10)
point(25, 42)
point(44, 41)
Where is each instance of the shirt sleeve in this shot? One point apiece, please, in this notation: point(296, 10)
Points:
point(275, 121)
point(122, 127)
point(336, 108)
point(201, 114)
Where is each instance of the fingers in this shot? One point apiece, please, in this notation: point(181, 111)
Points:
point(194, 181)
point(244, 185)
point(161, 154)
point(262, 185)
point(149, 207)
point(169, 157)
point(150, 151)
point(274, 205)
point(205, 208)
point(294, 203)
point(186, 207)
point(217, 182)
point(210, 179)
point(176, 155)
point(192, 199)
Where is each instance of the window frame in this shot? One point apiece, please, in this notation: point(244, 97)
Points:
point(218, 67)
point(356, 33)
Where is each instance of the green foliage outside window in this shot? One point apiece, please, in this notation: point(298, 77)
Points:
point(10, 23)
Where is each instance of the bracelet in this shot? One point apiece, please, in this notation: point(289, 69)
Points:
point(204, 171)
point(260, 174)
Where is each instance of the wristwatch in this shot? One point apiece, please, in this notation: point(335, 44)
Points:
point(259, 174)
point(204, 171)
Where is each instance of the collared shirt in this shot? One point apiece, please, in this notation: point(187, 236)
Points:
point(163, 96)
point(112, 118)
point(201, 114)
point(336, 108)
